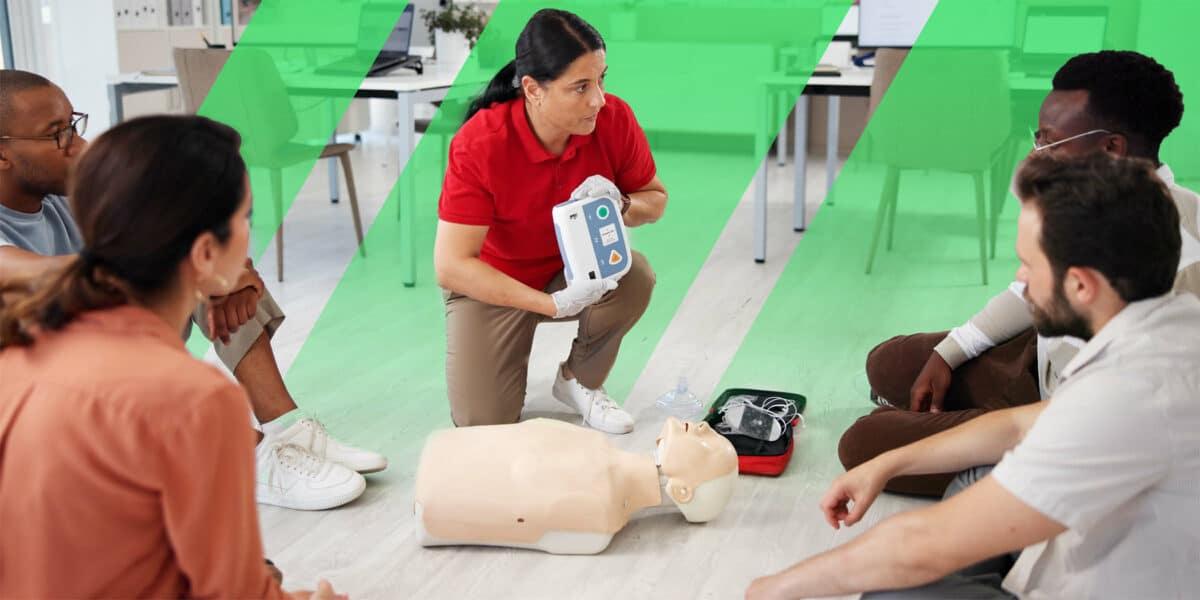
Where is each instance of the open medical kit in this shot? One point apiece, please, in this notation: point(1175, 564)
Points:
point(761, 426)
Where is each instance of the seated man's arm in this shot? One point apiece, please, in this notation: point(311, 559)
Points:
point(1005, 316)
point(226, 314)
point(17, 265)
point(980, 441)
point(1080, 457)
point(918, 547)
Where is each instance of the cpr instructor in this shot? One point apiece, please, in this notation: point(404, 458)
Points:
point(543, 131)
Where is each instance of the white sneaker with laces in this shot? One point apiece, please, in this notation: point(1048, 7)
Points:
point(880, 401)
point(292, 477)
point(310, 434)
point(598, 410)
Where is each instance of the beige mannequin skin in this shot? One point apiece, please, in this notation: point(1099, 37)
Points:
point(560, 488)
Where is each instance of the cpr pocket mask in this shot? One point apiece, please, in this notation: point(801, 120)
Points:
point(592, 239)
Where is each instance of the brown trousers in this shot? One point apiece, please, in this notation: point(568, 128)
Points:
point(487, 346)
point(1002, 377)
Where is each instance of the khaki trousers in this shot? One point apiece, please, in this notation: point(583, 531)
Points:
point(267, 319)
point(487, 346)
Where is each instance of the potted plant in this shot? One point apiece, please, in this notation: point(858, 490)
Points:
point(454, 29)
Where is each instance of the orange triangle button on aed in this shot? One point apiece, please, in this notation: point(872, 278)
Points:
point(614, 258)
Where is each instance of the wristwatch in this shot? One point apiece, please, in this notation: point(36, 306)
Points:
point(626, 202)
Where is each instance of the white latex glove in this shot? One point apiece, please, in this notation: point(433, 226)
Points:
point(595, 187)
point(571, 300)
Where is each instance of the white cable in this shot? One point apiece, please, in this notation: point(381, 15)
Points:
point(741, 411)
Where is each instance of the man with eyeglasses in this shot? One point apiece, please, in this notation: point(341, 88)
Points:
point(1094, 491)
point(1115, 102)
point(41, 136)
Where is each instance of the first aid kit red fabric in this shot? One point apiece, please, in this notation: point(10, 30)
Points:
point(759, 457)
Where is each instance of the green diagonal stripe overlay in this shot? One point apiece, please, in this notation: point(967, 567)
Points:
point(285, 114)
point(692, 71)
point(949, 109)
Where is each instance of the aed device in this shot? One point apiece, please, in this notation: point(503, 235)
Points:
point(592, 239)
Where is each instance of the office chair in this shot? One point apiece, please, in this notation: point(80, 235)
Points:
point(268, 126)
point(972, 141)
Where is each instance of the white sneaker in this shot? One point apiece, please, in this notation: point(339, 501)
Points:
point(292, 477)
point(310, 434)
point(598, 410)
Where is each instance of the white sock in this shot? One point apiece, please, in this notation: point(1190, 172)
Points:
point(280, 424)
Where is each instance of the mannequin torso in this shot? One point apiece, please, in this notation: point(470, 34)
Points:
point(539, 484)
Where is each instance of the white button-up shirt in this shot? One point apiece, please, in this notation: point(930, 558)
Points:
point(1115, 457)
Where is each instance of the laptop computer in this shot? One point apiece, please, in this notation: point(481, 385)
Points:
point(394, 52)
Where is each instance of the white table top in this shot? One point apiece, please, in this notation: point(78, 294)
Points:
point(850, 78)
point(861, 77)
point(142, 78)
point(442, 76)
point(398, 81)
point(1025, 82)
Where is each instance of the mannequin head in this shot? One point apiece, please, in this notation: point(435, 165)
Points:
point(700, 467)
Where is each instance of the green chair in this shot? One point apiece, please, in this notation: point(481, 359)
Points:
point(949, 113)
point(267, 127)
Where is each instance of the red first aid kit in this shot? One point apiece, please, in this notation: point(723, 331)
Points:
point(755, 456)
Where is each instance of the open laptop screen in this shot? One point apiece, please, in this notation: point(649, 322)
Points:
point(401, 35)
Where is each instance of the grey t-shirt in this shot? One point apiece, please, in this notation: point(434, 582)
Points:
point(49, 232)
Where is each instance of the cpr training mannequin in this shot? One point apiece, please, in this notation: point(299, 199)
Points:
point(552, 486)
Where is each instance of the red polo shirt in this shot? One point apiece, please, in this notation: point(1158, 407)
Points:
point(500, 176)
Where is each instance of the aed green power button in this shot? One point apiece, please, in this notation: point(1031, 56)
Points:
point(602, 212)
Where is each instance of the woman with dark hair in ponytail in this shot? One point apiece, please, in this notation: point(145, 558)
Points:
point(126, 465)
point(542, 132)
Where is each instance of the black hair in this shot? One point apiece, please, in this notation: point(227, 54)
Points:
point(1113, 215)
point(13, 82)
point(141, 194)
point(1129, 93)
point(549, 43)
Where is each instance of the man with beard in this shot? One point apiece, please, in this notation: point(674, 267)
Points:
point(1098, 485)
point(1116, 103)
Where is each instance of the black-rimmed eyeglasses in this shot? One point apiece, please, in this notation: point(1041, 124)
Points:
point(62, 137)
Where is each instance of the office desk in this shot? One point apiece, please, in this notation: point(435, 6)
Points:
point(404, 86)
point(852, 82)
point(1023, 82)
point(124, 84)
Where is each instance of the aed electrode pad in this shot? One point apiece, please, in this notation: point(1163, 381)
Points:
point(592, 239)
